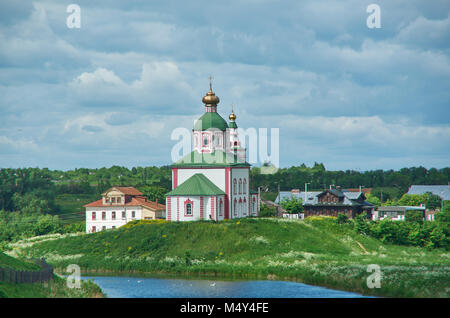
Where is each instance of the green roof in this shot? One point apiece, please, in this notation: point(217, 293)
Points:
point(232, 124)
point(210, 120)
point(198, 184)
point(218, 158)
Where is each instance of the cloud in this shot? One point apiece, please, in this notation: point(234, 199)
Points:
point(340, 92)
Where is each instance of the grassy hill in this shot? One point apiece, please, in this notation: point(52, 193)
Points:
point(54, 288)
point(315, 251)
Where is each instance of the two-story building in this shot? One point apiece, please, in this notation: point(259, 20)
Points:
point(118, 206)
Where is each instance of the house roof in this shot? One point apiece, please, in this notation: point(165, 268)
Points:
point(400, 208)
point(218, 158)
point(441, 190)
point(364, 190)
point(198, 184)
point(135, 201)
point(124, 190)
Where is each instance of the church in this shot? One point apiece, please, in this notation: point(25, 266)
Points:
point(213, 181)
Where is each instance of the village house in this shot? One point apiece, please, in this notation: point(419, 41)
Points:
point(118, 206)
point(332, 202)
point(398, 213)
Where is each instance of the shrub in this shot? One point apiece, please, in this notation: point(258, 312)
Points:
point(342, 218)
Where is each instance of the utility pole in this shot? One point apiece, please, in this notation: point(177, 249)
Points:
point(306, 190)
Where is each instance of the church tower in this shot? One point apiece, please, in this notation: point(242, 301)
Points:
point(213, 181)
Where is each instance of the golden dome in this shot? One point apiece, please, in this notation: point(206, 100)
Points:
point(232, 116)
point(210, 98)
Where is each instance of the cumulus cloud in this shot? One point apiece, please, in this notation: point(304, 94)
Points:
point(112, 91)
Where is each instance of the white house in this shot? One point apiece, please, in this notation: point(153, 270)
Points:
point(395, 213)
point(118, 206)
point(213, 181)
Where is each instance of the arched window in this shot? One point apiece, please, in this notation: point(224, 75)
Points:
point(234, 186)
point(240, 207)
point(235, 207)
point(188, 208)
point(245, 206)
point(240, 186)
point(244, 190)
point(220, 207)
point(254, 205)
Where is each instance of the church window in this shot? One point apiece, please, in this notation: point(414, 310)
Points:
point(244, 190)
point(235, 207)
point(240, 186)
point(220, 207)
point(245, 206)
point(188, 209)
point(234, 186)
point(94, 216)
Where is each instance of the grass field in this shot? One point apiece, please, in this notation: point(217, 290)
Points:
point(317, 251)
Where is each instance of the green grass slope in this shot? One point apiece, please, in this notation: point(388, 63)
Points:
point(54, 288)
point(316, 251)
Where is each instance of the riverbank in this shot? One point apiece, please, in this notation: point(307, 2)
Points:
point(316, 252)
point(53, 288)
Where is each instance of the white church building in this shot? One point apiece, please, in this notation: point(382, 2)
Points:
point(213, 181)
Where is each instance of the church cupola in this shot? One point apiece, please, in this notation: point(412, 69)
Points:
point(210, 99)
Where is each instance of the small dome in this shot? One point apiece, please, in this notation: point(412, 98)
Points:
point(232, 116)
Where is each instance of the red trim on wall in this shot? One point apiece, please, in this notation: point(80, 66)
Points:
point(201, 208)
point(227, 193)
point(212, 208)
point(169, 207)
point(175, 178)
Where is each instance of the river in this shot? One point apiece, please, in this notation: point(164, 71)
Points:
point(135, 287)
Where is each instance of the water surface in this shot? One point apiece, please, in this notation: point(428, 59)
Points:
point(135, 287)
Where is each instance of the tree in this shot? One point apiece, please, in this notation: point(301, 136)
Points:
point(292, 205)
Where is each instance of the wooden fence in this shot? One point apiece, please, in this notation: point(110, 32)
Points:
point(13, 276)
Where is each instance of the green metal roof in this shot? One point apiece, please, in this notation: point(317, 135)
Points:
point(210, 120)
point(218, 158)
point(198, 184)
point(232, 124)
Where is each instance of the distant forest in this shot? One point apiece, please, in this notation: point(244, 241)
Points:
point(35, 189)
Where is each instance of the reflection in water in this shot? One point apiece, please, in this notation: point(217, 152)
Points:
point(137, 287)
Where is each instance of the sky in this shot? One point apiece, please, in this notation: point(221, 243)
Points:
point(112, 91)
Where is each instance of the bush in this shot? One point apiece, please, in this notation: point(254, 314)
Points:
point(342, 218)
point(267, 211)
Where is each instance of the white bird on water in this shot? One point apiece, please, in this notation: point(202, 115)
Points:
point(213, 284)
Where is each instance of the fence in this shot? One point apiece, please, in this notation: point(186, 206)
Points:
point(13, 276)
